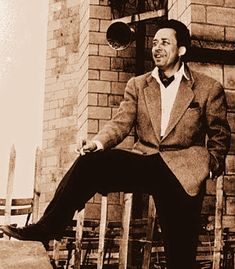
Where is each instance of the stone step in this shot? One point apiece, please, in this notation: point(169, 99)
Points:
point(23, 254)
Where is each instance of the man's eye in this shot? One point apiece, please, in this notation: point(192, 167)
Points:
point(165, 42)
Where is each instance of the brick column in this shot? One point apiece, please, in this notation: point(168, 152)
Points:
point(60, 102)
point(103, 73)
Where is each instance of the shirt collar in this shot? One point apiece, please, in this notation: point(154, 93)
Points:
point(180, 72)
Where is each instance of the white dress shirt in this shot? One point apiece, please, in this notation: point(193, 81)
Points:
point(168, 95)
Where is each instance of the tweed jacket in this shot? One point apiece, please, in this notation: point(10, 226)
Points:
point(197, 138)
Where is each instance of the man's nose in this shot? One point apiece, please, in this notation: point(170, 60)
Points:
point(157, 48)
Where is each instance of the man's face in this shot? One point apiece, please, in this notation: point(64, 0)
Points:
point(165, 50)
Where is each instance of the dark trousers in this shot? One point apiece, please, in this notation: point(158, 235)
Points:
point(118, 170)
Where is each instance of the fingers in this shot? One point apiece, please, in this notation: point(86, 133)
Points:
point(86, 146)
point(80, 143)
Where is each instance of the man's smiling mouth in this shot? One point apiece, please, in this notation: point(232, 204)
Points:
point(158, 55)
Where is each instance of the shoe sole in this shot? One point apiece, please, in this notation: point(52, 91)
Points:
point(10, 233)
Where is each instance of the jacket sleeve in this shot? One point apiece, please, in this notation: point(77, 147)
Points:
point(218, 129)
point(115, 130)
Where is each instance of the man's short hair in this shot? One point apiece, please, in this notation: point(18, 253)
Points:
point(182, 33)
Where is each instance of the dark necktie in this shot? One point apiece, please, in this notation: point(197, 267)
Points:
point(165, 80)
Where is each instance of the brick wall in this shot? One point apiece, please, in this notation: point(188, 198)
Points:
point(85, 80)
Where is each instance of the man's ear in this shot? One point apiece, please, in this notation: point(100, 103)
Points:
point(182, 51)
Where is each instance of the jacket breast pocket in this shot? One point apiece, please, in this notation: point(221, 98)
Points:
point(191, 120)
point(193, 110)
point(194, 105)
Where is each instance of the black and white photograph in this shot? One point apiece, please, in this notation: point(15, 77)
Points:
point(117, 134)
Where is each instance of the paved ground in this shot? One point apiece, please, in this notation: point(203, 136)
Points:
point(23, 254)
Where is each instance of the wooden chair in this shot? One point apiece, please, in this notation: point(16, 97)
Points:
point(10, 206)
point(64, 252)
point(108, 239)
point(216, 239)
point(216, 236)
point(224, 237)
point(116, 237)
point(19, 206)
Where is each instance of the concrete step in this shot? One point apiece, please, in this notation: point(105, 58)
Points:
point(23, 255)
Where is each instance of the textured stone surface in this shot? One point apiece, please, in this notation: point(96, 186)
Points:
point(22, 255)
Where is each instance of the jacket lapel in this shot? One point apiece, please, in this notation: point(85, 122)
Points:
point(153, 101)
point(184, 97)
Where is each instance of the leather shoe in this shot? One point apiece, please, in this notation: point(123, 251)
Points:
point(32, 232)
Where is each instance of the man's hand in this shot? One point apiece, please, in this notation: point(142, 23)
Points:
point(86, 146)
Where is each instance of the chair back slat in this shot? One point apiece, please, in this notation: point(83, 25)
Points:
point(36, 191)
point(103, 221)
point(23, 206)
point(21, 211)
point(78, 239)
point(22, 201)
point(218, 223)
point(17, 201)
point(149, 233)
point(10, 180)
point(126, 218)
